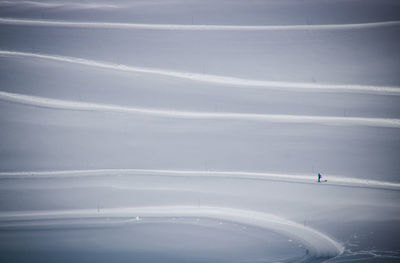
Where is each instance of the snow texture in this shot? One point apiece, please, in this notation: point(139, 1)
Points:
point(194, 131)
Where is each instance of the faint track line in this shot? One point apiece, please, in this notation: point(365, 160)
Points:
point(59, 5)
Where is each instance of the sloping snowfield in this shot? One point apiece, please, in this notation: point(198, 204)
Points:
point(193, 131)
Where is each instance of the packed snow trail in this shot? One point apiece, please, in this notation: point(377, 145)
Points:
point(215, 79)
point(274, 118)
point(57, 23)
point(311, 179)
point(319, 244)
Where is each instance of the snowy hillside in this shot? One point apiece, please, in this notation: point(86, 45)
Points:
point(194, 131)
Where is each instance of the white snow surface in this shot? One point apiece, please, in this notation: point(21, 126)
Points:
point(63, 5)
point(214, 78)
point(333, 180)
point(30, 22)
point(73, 105)
point(318, 243)
point(193, 131)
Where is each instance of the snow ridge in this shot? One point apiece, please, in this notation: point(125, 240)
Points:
point(215, 79)
point(333, 180)
point(33, 22)
point(273, 118)
point(318, 244)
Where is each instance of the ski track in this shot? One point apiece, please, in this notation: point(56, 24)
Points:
point(332, 180)
point(273, 118)
point(215, 79)
point(116, 25)
point(319, 244)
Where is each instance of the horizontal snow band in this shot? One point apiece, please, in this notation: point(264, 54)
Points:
point(215, 79)
point(273, 118)
point(333, 180)
point(33, 22)
point(318, 244)
point(59, 5)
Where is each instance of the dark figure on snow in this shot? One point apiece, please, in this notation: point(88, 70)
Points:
point(319, 177)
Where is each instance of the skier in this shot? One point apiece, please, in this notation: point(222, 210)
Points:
point(319, 177)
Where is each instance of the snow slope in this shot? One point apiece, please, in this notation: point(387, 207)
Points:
point(193, 131)
point(319, 244)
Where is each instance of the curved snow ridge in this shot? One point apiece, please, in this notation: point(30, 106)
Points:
point(116, 25)
point(273, 118)
point(215, 79)
point(333, 180)
point(319, 244)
